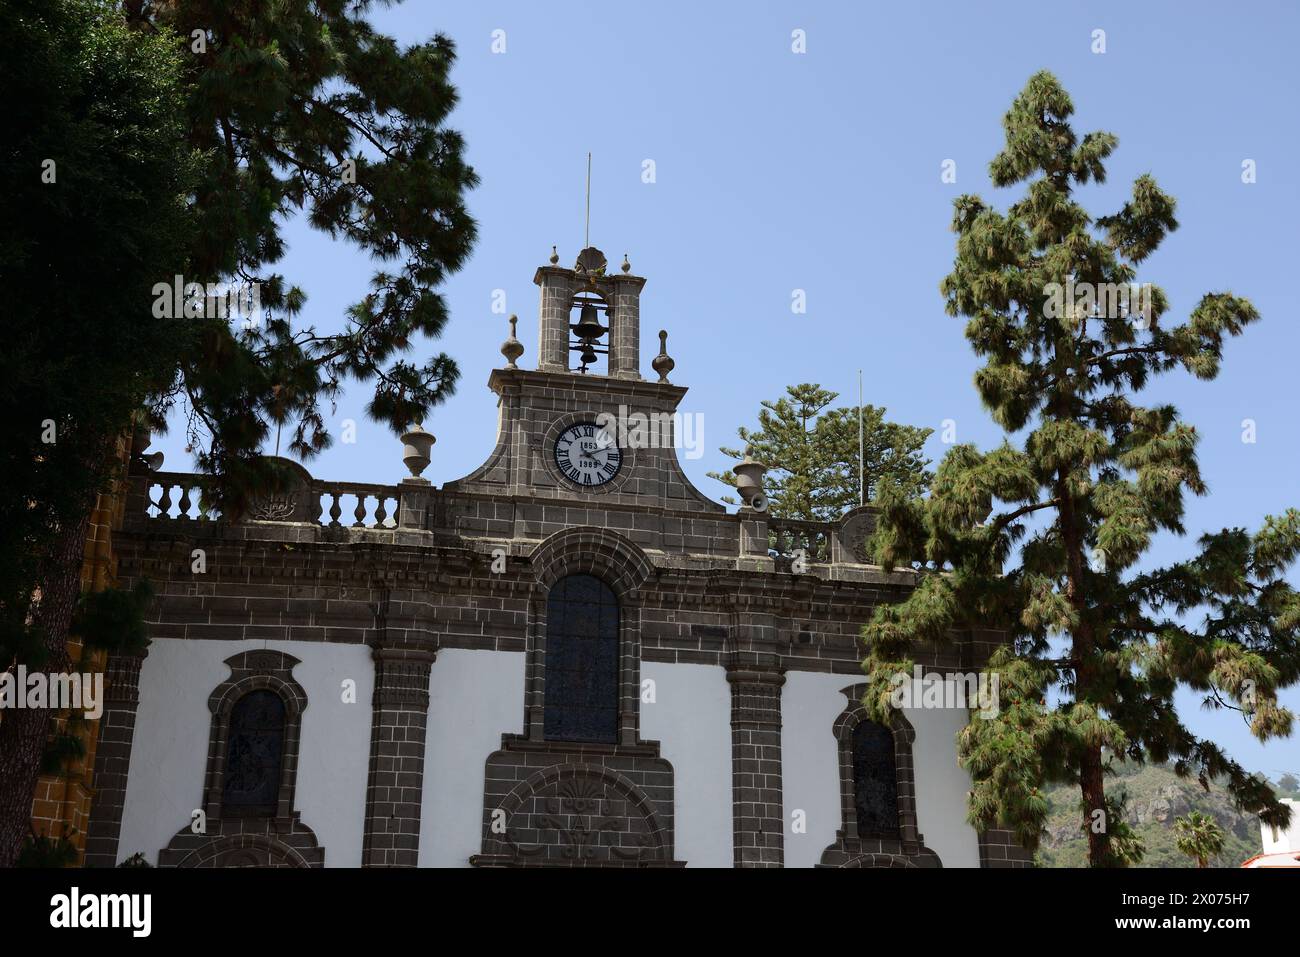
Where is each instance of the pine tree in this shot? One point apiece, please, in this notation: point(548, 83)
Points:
point(97, 168)
point(1199, 837)
point(1043, 539)
point(812, 454)
point(306, 109)
point(229, 118)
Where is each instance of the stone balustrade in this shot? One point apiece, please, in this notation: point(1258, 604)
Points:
point(787, 537)
point(178, 496)
point(372, 506)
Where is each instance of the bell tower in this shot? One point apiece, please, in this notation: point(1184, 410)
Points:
point(569, 343)
point(585, 427)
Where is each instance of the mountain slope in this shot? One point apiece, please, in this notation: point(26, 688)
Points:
point(1156, 797)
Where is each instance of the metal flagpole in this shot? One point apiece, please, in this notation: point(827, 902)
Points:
point(278, 424)
point(586, 242)
point(862, 491)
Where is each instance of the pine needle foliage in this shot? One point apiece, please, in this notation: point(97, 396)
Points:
point(1042, 536)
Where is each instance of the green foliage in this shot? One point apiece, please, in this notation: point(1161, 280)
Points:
point(169, 161)
point(183, 136)
point(114, 618)
point(1155, 798)
point(1123, 847)
point(60, 750)
point(104, 105)
point(1199, 837)
point(306, 108)
point(41, 850)
point(1042, 539)
point(811, 452)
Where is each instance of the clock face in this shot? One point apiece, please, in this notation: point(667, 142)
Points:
point(587, 454)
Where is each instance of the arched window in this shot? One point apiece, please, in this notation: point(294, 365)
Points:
point(254, 754)
point(875, 780)
point(581, 661)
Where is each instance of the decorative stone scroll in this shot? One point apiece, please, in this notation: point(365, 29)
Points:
point(851, 540)
point(287, 504)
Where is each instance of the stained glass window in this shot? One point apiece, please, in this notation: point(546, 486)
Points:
point(254, 753)
point(581, 661)
point(875, 782)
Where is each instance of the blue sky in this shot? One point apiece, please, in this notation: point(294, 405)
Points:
point(778, 171)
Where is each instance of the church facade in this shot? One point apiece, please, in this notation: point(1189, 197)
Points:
point(570, 657)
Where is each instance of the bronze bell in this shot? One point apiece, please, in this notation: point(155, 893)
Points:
point(588, 326)
point(588, 355)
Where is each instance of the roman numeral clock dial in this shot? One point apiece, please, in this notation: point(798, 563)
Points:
point(587, 454)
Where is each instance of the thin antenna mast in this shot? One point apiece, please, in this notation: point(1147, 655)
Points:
point(278, 425)
point(862, 489)
point(586, 242)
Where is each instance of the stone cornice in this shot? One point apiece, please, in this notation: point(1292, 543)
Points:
point(503, 381)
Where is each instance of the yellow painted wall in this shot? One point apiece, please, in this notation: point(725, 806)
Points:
point(62, 802)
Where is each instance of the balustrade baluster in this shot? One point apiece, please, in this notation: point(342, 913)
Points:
point(175, 496)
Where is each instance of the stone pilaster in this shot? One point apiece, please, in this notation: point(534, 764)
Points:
point(999, 848)
point(625, 328)
point(395, 785)
point(757, 815)
point(553, 321)
point(113, 759)
point(413, 497)
point(753, 536)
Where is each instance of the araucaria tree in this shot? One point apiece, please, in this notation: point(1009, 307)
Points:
point(812, 453)
point(1043, 538)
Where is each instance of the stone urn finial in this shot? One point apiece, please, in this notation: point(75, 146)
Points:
point(140, 439)
point(749, 480)
point(417, 444)
point(555, 256)
point(512, 348)
point(663, 363)
point(627, 266)
point(141, 436)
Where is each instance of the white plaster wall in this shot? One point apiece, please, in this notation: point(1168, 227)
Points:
point(170, 752)
point(691, 719)
point(1278, 840)
point(810, 703)
point(810, 774)
point(474, 698)
point(941, 786)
